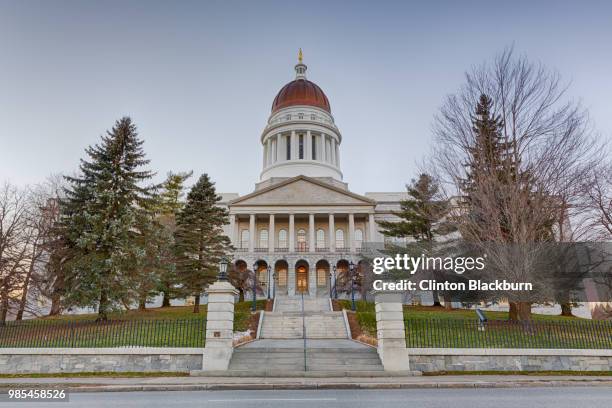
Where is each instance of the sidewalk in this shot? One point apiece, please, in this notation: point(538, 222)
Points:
point(97, 384)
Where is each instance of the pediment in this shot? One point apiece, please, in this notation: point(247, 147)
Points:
point(301, 191)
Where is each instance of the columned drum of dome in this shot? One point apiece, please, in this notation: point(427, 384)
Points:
point(301, 136)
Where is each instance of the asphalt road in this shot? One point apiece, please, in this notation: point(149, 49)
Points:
point(579, 397)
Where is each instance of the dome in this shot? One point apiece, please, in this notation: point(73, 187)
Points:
point(301, 92)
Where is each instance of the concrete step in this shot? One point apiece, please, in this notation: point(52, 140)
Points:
point(253, 360)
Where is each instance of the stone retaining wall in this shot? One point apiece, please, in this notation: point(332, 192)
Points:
point(74, 360)
point(432, 360)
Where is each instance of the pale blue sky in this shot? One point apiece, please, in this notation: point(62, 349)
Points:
point(198, 78)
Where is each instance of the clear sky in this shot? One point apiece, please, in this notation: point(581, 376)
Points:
point(198, 78)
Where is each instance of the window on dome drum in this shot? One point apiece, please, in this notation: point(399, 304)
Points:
point(339, 238)
point(320, 238)
point(300, 116)
point(282, 238)
point(301, 240)
point(358, 238)
point(313, 117)
point(288, 147)
point(263, 238)
point(244, 239)
point(301, 150)
point(314, 148)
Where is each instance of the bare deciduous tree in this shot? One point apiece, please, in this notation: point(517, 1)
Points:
point(551, 152)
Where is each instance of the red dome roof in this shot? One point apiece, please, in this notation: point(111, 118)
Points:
point(301, 92)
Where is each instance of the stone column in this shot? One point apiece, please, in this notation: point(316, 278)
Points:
point(332, 144)
point(332, 234)
point(293, 145)
point(337, 155)
point(311, 233)
point(390, 331)
point(323, 148)
point(351, 234)
point(232, 229)
point(252, 233)
point(271, 234)
point(219, 326)
point(308, 147)
point(265, 154)
point(372, 228)
point(269, 150)
point(291, 233)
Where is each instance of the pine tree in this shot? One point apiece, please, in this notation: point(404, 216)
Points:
point(423, 217)
point(200, 241)
point(99, 219)
point(170, 204)
point(421, 214)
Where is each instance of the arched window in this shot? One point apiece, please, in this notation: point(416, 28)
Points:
point(263, 238)
point(282, 238)
point(358, 238)
point(339, 238)
point(244, 239)
point(320, 238)
point(301, 240)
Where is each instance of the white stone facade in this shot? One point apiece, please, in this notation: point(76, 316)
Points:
point(301, 220)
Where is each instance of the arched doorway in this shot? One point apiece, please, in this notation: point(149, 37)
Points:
point(261, 267)
point(322, 268)
point(281, 269)
point(301, 277)
point(342, 276)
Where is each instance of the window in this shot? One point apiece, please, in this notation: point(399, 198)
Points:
point(288, 117)
point(339, 238)
point(300, 116)
point(358, 238)
point(320, 238)
point(282, 238)
point(301, 146)
point(244, 239)
point(301, 240)
point(321, 277)
point(314, 148)
point(313, 117)
point(263, 238)
point(282, 276)
point(288, 147)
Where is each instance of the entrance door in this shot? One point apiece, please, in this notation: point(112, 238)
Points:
point(301, 277)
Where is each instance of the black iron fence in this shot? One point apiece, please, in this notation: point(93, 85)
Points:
point(466, 333)
point(111, 333)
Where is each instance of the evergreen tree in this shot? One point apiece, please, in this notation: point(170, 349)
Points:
point(200, 241)
point(421, 214)
point(99, 220)
point(170, 204)
point(423, 217)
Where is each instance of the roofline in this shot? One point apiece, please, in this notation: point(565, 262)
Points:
point(301, 177)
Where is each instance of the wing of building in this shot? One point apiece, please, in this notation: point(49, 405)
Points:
point(301, 222)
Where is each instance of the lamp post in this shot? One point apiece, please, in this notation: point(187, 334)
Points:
point(333, 288)
point(254, 305)
point(269, 282)
point(222, 270)
point(352, 270)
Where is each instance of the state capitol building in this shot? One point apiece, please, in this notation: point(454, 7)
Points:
point(301, 223)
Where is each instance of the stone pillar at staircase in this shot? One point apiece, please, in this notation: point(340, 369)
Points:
point(219, 326)
point(390, 331)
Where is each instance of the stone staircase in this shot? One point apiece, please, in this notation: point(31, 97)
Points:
point(331, 357)
point(287, 321)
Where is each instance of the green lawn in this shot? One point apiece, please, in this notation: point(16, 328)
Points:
point(428, 326)
point(175, 326)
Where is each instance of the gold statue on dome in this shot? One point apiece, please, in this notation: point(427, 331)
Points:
point(300, 56)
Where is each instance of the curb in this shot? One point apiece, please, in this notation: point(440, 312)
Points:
point(75, 387)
